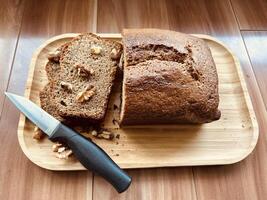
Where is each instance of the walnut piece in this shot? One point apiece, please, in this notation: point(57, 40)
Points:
point(84, 70)
point(94, 133)
point(96, 50)
point(103, 135)
point(38, 134)
point(62, 152)
point(56, 146)
point(61, 149)
point(115, 54)
point(65, 154)
point(54, 56)
point(86, 94)
point(66, 86)
point(106, 135)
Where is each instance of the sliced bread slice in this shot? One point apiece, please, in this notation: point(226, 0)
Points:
point(88, 66)
point(52, 69)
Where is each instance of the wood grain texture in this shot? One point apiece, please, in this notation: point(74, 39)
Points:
point(10, 22)
point(251, 15)
point(230, 139)
point(217, 19)
point(256, 43)
point(20, 178)
point(151, 184)
point(116, 15)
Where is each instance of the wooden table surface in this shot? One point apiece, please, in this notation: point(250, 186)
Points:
point(25, 24)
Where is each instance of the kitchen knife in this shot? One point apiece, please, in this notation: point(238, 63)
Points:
point(88, 153)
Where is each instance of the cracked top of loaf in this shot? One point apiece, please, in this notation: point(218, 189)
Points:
point(169, 77)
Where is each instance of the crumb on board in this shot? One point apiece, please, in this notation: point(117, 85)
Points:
point(38, 134)
point(118, 136)
point(103, 134)
point(65, 154)
point(56, 146)
point(62, 151)
point(94, 133)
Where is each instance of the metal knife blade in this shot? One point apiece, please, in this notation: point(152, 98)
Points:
point(38, 116)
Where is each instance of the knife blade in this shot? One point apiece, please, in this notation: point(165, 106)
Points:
point(87, 152)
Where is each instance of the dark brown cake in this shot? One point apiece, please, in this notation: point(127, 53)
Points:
point(169, 77)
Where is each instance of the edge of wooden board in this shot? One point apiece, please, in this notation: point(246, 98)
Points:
point(117, 35)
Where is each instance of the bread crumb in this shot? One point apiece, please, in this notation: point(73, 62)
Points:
point(38, 134)
point(118, 136)
point(65, 154)
point(94, 133)
point(103, 135)
point(106, 135)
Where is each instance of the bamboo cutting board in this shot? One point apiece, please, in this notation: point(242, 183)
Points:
point(225, 141)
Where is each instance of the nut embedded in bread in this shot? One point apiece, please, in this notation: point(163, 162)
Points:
point(169, 77)
point(86, 94)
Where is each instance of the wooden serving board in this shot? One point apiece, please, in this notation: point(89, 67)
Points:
point(225, 141)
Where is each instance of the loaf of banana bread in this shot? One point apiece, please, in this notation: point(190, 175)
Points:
point(168, 77)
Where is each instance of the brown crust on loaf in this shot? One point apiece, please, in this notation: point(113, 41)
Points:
point(169, 77)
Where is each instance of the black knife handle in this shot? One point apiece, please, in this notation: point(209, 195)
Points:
point(93, 157)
